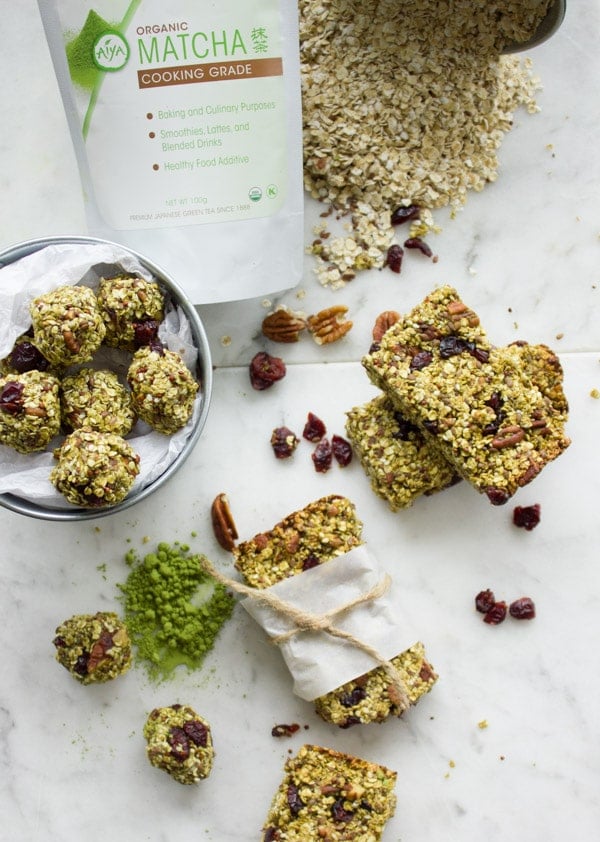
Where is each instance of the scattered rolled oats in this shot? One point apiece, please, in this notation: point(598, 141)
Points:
point(405, 102)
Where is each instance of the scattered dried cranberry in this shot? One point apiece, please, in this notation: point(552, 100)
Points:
point(484, 601)
point(342, 450)
point(144, 332)
point(405, 213)
point(283, 442)
point(322, 456)
point(179, 742)
point(339, 812)
point(284, 730)
point(197, 732)
point(421, 360)
point(496, 614)
point(310, 561)
point(11, 397)
point(527, 517)
point(265, 370)
point(314, 429)
point(26, 357)
point(418, 243)
point(522, 609)
point(394, 256)
point(294, 801)
point(356, 695)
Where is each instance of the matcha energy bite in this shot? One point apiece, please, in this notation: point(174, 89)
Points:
point(93, 647)
point(163, 388)
point(97, 400)
point(179, 742)
point(29, 410)
point(131, 308)
point(67, 325)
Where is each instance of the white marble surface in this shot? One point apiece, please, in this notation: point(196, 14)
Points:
point(525, 254)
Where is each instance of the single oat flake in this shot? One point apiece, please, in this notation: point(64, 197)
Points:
point(405, 103)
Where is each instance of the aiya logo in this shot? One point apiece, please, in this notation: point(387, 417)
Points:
point(110, 51)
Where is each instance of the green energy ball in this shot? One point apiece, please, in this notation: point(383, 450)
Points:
point(93, 647)
point(163, 388)
point(94, 469)
point(29, 410)
point(131, 308)
point(98, 401)
point(67, 325)
point(179, 742)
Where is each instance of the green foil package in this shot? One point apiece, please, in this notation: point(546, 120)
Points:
point(186, 123)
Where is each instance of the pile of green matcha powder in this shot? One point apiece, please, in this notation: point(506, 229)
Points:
point(173, 609)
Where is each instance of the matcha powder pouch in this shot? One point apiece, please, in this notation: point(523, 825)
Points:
point(186, 123)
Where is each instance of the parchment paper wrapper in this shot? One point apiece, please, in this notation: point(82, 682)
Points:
point(318, 661)
point(27, 475)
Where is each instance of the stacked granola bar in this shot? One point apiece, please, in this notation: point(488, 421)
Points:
point(323, 530)
point(493, 416)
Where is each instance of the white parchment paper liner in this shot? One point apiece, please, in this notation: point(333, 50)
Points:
point(319, 662)
point(27, 475)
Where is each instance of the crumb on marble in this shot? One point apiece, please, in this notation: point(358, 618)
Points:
point(595, 393)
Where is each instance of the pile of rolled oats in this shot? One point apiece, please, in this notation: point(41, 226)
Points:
point(405, 102)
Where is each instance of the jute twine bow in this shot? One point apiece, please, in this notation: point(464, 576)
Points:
point(306, 621)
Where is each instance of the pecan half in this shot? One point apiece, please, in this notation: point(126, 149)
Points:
point(329, 325)
point(283, 325)
point(458, 312)
point(508, 436)
point(222, 522)
point(383, 322)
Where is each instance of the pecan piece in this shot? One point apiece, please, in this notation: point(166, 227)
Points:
point(222, 522)
point(507, 436)
point(383, 322)
point(458, 311)
point(329, 325)
point(283, 325)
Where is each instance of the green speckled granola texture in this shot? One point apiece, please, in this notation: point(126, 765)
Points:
point(94, 648)
point(94, 398)
point(179, 742)
point(326, 794)
point(124, 302)
point(67, 325)
point(163, 389)
point(29, 423)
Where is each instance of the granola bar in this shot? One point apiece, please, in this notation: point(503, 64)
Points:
point(399, 461)
point(321, 531)
point(326, 794)
point(484, 413)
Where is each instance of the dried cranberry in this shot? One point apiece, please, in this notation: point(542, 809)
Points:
point(431, 426)
point(144, 332)
point(322, 456)
point(271, 835)
point(421, 360)
point(405, 213)
point(496, 614)
point(179, 742)
point(527, 517)
point(284, 730)
point(452, 345)
point(405, 428)
point(314, 429)
point(522, 609)
point(340, 813)
point(418, 243)
point(484, 601)
point(11, 397)
point(197, 732)
point(497, 496)
point(283, 442)
point(294, 801)
point(350, 721)
point(156, 346)
point(342, 450)
point(265, 370)
point(81, 664)
point(59, 642)
point(356, 695)
point(26, 357)
point(310, 561)
point(482, 355)
point(393, 258)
